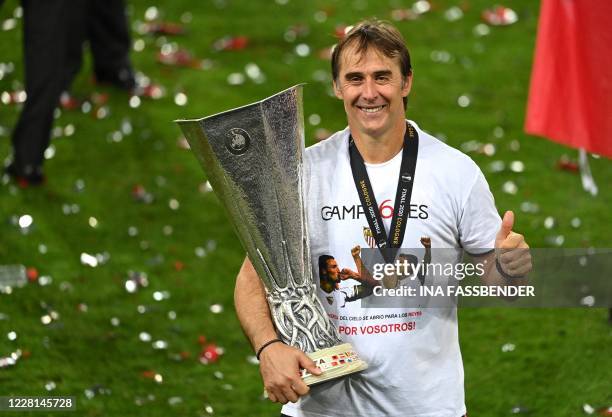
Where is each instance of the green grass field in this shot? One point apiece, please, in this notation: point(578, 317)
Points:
point(562, 357)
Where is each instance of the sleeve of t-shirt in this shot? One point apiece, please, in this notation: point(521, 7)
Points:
point(306, 172)
point(479, 221)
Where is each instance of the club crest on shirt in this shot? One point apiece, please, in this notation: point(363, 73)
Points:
point(369, 237)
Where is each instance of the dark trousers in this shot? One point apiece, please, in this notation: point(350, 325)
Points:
point(104, 25)
point(45, 33)
point(53, 36)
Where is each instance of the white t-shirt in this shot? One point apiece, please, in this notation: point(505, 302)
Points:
point(415, 366)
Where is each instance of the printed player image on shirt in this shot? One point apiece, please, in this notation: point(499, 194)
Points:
point(413, 353)
point(351, 285)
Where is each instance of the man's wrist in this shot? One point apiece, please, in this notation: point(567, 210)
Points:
point(265, 345)
point(503, 273)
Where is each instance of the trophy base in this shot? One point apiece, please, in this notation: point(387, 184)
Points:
point(335, 362)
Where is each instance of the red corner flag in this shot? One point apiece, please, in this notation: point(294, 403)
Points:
point(570, 97)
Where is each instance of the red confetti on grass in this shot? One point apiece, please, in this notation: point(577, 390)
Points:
point(152, 91)
point(209, 354)
point(179, 58)
point(499, 16)
point(605, 411)
point(99, 99)
point(149, 374)
point(32, 274)
point(231, 43)
point(340, 31)
point(161, 28)
point(566, 164)
point(69, 102)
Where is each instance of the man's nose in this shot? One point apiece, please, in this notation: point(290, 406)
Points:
point(369, 92)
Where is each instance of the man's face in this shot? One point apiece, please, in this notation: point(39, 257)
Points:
point(333, 272)
point(372, 88)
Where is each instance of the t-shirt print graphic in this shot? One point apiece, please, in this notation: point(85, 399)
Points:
point(331, 276)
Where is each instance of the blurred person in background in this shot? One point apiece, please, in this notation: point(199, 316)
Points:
point(104, 26)
point(54, 32)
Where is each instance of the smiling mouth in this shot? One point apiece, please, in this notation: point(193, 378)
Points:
point(372, 109)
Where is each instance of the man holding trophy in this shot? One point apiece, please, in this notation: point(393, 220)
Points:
point(414, 366)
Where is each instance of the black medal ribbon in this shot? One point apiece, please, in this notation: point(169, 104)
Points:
point(401, 209)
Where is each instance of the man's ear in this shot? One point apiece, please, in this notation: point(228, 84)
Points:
point(407, 85)
point(337, 90)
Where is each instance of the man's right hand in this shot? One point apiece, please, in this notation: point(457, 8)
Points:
point(280, 366)
point(347, 273)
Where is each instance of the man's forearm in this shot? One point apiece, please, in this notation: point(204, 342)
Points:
point(279, 364)
point(363, 275)
point(252, 307)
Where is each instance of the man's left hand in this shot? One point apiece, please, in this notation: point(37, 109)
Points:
point(511, 249)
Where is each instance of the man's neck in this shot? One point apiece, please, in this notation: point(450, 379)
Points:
point(376, 150)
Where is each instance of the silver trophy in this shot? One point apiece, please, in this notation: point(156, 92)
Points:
point(252, 156)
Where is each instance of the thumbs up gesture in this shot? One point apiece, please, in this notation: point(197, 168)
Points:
point(513, 255)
